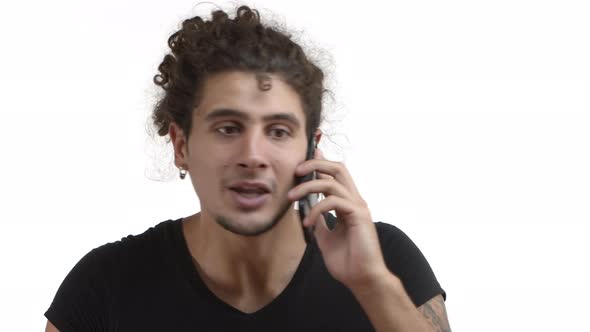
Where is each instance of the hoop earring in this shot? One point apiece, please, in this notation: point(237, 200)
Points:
point(182, 173)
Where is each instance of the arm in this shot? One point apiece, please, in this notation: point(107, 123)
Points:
point(353, 254)
point(435, 313)
point(50, 327)
point(389, 308)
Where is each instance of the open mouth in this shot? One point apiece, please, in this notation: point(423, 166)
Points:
point(249, 192)
point(250, 198)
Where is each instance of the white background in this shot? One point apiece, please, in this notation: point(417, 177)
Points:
point(464, 123)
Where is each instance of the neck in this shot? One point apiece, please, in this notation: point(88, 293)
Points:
point(245, 265)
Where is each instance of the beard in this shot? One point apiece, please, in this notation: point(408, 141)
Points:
point(235, 228)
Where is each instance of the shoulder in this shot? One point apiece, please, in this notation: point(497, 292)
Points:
point(386, 229)
point(103, 264)
point(124, 254)
point(157, 232)
point(103, 274)
point(133, 247)
point(404, 259)
point(397, 246)
point(391, 235)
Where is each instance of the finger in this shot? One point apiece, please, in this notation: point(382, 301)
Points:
point(328, 167)
point(321, 186)
point(323, 168)
point(320, 155)
point(323, 233)
point(323, 176)
point(341, 205)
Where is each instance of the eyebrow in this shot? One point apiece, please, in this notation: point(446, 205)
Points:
point(228, 112)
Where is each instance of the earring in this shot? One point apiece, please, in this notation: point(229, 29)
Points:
point(182, 173)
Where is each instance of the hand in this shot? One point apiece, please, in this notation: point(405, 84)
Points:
point(351, 250)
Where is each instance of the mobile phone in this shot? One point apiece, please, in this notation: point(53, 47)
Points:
point(307, 202)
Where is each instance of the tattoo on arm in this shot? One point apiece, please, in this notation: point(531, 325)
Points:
point(435, 313)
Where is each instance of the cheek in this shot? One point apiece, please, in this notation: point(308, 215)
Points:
point(285, 168)
point(207, 173)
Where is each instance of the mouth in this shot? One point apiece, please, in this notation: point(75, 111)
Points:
point(249, 195)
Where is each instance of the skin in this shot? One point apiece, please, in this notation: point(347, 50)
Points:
point(435, 313)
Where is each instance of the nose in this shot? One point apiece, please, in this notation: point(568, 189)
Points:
point(252, 155)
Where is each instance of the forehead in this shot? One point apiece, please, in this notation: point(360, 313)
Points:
point(253, 94)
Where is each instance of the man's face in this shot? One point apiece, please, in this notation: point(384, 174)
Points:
point(244, 146)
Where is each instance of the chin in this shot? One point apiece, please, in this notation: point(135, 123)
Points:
point(247, 226)
point(252, 223)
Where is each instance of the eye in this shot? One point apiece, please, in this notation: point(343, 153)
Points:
point(279, 133)
point(228, 130)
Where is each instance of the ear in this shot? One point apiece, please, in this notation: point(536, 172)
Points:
point(317, 136)
point(179, 143)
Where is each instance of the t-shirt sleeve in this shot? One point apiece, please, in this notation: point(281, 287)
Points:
point(406, 261)
point(79, 304)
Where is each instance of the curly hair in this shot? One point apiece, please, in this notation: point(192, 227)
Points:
point(201, 48)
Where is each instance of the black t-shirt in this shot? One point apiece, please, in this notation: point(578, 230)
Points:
point(148, 282)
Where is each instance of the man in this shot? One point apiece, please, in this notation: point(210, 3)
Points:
point(241, 103)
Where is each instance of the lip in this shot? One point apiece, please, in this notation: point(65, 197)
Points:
point(250, 185)
point(248, 203)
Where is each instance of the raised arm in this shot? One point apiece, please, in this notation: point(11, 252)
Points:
point(436, 314)
point(50, 327)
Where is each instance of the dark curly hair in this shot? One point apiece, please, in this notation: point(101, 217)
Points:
point(202, 47)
